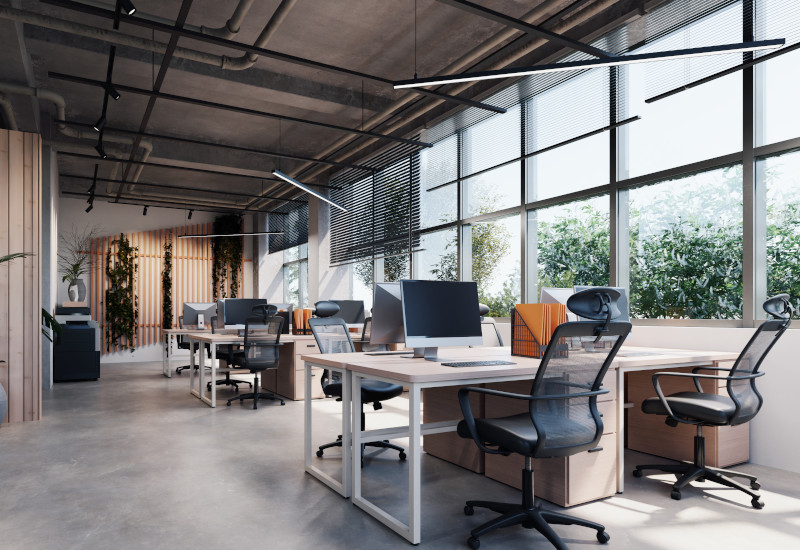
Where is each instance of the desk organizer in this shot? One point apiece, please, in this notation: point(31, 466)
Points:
point(532, 326)
point(300, 321)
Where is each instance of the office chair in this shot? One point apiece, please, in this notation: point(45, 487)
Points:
point(264, 310)
point(183, 343)
point(227, 352)
point(332, 336)
point(490, 333)
point(707, 409)
point(261, 352)
point(562, 420)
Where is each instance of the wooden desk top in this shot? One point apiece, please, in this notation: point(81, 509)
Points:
point(406, 370)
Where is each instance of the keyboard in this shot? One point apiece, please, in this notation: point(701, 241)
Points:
point(477, 363)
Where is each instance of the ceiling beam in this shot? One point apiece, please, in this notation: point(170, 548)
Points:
point(233, 108)
point(526, 27)
point(180, 187)
point(194, 35)
point(142, 201)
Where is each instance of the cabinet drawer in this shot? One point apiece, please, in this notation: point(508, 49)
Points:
point(305, 347)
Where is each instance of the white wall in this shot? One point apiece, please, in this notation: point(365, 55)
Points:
point(775, 432)
point(50, 277)
point(114, 219)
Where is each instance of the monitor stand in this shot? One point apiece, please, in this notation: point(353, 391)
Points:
point(429, 354)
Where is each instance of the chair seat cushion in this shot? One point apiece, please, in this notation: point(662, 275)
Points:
point(517, 433)
point(371, 390)
point(708, 408)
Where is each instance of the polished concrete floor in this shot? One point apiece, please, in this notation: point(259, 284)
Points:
point(133, 461)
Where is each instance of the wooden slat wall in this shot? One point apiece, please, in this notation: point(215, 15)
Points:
point(192, 261)
point(20, 280)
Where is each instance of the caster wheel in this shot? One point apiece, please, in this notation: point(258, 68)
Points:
point(757, 503)
point(473, 543)
point(319, 454)
point(675, 494)
point(603, 537)
point(283, 403)
point(468, 510)
point(228, 403)
point(402, 455)
point(755, 485)
point(637, 473)
point(178, 371)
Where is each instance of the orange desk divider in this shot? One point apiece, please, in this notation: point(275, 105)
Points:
point(532, 326)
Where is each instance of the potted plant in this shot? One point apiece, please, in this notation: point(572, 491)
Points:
point(73, 259)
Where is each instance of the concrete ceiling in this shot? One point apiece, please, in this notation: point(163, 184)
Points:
point(370, 36)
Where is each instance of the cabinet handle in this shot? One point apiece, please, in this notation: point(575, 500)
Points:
point(311, 345)
point(595, 450)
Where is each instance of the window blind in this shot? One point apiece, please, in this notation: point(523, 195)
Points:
point(294, 225)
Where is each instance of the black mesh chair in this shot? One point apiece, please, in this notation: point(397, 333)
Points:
point(183, 343)
point(562, 419)
point(227, 353)
point(261, 352)
point(332, 336)
point(707, 409)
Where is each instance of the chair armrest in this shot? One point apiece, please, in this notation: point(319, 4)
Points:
point(696, 379)
point(469, 418)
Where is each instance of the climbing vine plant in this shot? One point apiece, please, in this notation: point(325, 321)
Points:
point(122, 303)
point(166, 286)
point(227, 256)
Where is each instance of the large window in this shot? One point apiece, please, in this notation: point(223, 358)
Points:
point(295, 276)
point(686, 247)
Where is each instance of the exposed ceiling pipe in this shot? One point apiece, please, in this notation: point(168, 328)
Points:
point(231, 27)
point(459, 65)
point(8, 112)
point(248, 60)
point(116, 37)
point(79, 133)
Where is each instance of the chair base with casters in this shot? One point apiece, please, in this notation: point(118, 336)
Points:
point(228, 381)
point(527, 514)
point(686, 472)
point(255, 396)
point(385, 444)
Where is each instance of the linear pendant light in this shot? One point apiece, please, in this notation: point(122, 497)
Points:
point(592, 63)
point(212, 235)
point(307, 189)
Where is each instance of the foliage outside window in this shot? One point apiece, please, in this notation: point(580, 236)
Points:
point(166, 286)
point(686, 247)
point(227, 256)
point(781, 176)
point(295, 276)
point(121, 300)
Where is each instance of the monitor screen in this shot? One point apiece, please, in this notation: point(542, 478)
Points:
point(351, 311)
point(235, 311)
point(551, 295)
point(191, 309)
point(387, 315)
point(441, 313)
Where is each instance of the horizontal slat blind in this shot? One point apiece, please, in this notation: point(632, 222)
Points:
point(294, 226)
point(382, 215)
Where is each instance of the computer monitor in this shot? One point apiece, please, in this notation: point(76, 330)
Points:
point(194, 311)
point(351, 311)
point(440, 313)
point(235, 311)
point(387, 315)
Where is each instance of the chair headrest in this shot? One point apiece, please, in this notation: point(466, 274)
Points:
point(326, 308)
point(779, 306)
point(483, 309)
point(595, 303)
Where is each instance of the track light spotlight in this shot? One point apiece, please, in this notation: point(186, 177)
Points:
point(89, 208)
point(100, 150)
point(127, 6)
point(101, 122)
point(144, 212)
point(190, 214)
point(110, 90)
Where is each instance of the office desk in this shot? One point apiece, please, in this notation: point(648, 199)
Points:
point(417, 374)
point(213, 340)
point(170, 335)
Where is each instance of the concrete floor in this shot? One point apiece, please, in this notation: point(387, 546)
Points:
point(133, 461)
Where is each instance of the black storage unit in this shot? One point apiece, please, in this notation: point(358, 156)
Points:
point(74, 354)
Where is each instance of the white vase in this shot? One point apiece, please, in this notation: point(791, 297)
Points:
point(81, 290)
point(73, 292)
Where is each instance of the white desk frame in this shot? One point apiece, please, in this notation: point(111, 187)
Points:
point(411, 530)
point(213, 340)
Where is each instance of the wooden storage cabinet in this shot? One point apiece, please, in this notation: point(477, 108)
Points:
point(563, 481)
point(647, 433)
point(440, 404)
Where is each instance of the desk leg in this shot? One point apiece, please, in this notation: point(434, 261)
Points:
point(620, 430)
point(213, 402)
point(349, 410)
point(414, 466)
point(192, 376)
point(168, 363)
